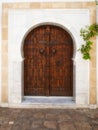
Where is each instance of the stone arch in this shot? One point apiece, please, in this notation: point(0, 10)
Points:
point(16, 59)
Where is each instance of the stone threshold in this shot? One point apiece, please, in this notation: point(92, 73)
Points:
point(47, 100)
point(48, 103)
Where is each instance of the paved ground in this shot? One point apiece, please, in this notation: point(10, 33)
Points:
point(48, 119)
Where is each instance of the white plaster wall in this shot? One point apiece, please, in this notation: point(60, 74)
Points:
point(3, 1)
point(26, 19)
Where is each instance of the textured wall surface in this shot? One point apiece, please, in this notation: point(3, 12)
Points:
point(49, 5)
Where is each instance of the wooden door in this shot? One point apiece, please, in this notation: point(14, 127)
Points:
point(48, 66)
point(61, 66)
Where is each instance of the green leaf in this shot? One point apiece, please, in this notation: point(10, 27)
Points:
point(89, 42)
point(87, 33)
point(86, 56)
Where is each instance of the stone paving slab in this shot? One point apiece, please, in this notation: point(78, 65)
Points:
point(48, 119)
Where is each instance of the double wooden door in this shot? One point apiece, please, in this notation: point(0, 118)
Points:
point(48, 66)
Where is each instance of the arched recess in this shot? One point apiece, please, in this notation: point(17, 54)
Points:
point(48, 52)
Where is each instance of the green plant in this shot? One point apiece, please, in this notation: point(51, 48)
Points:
point(87, 34)
point(96, 2)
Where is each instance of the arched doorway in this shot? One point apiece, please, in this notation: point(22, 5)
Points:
point(48, 65)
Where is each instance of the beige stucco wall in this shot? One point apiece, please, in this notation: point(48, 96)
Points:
point(53, 5)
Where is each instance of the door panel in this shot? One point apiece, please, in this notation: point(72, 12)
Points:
point(48, 66)
point(35, 61)
point(60, 63)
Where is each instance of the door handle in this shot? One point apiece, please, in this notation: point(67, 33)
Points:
point(42, 51)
